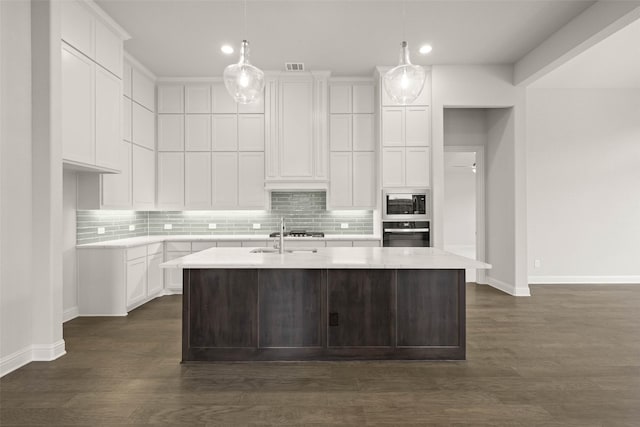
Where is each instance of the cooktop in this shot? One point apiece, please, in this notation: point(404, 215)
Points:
point(298, 233)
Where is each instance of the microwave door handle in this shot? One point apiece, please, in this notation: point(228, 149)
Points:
point(406, 230)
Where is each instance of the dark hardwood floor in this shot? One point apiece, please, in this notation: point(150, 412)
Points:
point(567, 356)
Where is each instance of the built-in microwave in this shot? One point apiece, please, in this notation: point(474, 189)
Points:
point(406, 205)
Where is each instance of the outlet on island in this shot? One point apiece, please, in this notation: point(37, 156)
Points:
point(168, 226)
point(132, 227)
point(101, 230)
point(344, 225)
point(256, 226)
point(212, 226)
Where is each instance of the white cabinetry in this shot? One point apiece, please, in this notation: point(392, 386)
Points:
point(143, 177)
point(113, 281)
point(406, 141)
point(116, 188)
point(219, 145)
point(352, 144)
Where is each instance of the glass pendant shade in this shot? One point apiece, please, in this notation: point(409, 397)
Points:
point(404, 83)
point(244, 82)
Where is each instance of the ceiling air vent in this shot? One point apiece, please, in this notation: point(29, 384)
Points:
point(294, 66)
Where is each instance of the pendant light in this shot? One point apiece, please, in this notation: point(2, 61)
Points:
point(244, 82)
point(404, 82)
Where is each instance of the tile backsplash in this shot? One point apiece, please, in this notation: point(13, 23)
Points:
point(301, 211)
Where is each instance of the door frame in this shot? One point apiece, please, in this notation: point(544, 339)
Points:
point(479, 150)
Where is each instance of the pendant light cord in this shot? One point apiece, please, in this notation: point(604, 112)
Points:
point(404, 20)
point(245, 20)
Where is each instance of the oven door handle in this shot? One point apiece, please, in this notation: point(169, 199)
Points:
point(406, 230)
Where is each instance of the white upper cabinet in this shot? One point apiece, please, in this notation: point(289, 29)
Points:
point(363, 132)
point(170, 132)
point(143, 174)
point(417, 126)
point(108, 118)
point(197, 180)
point(116, 187)
point(197, 98)
point(171, 180)
point(363, 99)
point(78, 107)
point(225, 132)
point(170, 98)
point(418, 166)
point(77, 26)
point(296, 128)
point(393, 128)
point(364, 179)
point(251, 132)
point(251, 192)
point(340, 99)
point(126, 119)
point(393, 167)
point(143, 126)
point(127, 71)
point(225, 180)
point(222, 102)
point(144, 92)
point(340, 132)
point(341, 180)
point(108, 48)
point(197, 134)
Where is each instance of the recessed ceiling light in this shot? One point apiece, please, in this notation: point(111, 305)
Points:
point(424, 49)
point(227, 49)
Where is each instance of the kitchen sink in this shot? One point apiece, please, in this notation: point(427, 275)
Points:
point(289, 251)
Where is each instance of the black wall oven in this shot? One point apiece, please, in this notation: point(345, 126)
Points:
point(406, 234)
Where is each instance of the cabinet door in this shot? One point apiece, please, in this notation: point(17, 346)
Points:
point(78, 107)
point(251, 132)
point(143, 90)
point(197, 132)
point(393, 126)
point(108, 118)
point(296, 128)
point(392, 167)
point(126, 79)
point(225, 132)
point(108, 49)
point(251, 180)
point(340, 99)
point(418, 130)
point(76, 26)
point(340, 132)
point(363, 99)
point(197, 99)
point(171, 180)
point(197, 180)
point(222, 102)
point(155, 278)
point(363, 133)
point(170, 132)
point(143, 176)
point(173, 276)
point(360, 308)
point(364, 179)
point(136, 280)
point(225, 180)
point(341, 180)
point(116, 187)
point(171, 99)
point(418, 166)
point(126, 119)
point(144, 126)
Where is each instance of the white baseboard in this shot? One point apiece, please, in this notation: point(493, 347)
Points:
point(172, 291)
point(584, 280)
point(508, 288)
point(70, 314)
point(36, 352)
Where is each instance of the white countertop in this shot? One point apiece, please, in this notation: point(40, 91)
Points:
point(375, 257)
point(145, 240)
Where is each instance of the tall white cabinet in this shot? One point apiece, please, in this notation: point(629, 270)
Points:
point(405, 136)
point(210, 149)
point(91, 61)
point(352, 144)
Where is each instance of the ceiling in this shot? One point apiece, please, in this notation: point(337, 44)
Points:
point(612, 63)
point(182, 38)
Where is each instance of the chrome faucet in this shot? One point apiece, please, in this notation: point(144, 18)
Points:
point(280, 246)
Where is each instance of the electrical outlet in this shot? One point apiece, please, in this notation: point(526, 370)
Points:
point(101, 230)
point(168, 226)
point(132, 227)
point(536, 263)
point(344, 225)
point(212, 226)
point(256, 226)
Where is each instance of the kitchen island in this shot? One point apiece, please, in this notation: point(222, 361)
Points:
point(331, 304)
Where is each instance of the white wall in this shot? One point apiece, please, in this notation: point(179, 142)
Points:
point(583, 162)
point(70, 285)
point(465, 126)
point(16, 262)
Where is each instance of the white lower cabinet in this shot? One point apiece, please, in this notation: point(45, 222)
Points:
point(173, 276)
point(114, 281)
